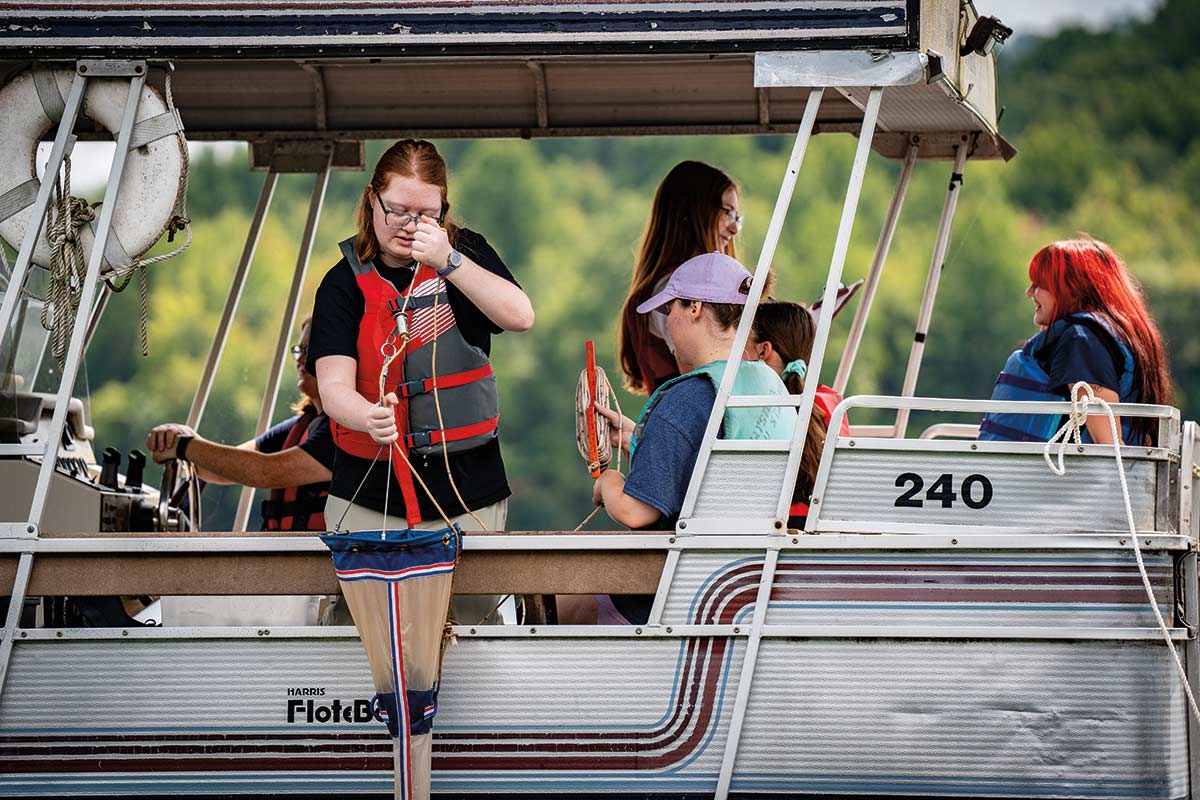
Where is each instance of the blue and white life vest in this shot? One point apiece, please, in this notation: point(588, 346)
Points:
point(752, 378)
point(1024, 378)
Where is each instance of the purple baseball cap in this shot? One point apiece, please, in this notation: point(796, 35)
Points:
point(711, 278)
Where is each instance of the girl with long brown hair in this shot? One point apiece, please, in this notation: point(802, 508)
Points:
point(782, 338)
point(695, 211)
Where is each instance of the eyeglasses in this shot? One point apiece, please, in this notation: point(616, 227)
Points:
point(299, 351)
point(402, 219)
point(731, 216)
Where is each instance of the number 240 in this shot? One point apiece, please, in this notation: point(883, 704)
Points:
point(975, 491)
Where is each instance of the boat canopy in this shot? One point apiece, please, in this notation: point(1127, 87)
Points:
point(353, 70)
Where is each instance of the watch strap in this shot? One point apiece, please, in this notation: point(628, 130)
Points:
point(181, 446)
point(453, 262)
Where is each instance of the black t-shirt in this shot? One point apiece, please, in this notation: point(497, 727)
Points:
point(478, 473)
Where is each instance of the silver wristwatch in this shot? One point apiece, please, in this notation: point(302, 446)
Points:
point(453, 262)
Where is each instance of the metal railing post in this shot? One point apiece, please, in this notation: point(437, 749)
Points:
point(837, 264)
point(1190, 587)
point(200, 400)
point(940, 245)
point(825, 321)
point(890, 222)
point(803, 135)
point(63, 140)
point(285, 327)
point(88, 297)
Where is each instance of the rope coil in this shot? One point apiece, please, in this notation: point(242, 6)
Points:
point(68, 262)
point(597, 454)
point(592, 429)
point(1082, 395)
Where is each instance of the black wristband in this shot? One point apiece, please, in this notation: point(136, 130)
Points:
point(181, 446)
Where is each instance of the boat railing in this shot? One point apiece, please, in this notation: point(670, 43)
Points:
point(881, 484)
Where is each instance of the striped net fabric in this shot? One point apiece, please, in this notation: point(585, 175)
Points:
point(397, 585)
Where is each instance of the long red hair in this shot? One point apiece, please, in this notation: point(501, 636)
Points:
point(408, 158)
point(1086, 275)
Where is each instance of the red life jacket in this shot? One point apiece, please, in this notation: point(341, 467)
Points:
point(289, 509)
point(466, 387)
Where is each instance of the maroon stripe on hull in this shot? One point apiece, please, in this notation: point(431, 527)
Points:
point(210, 748)
point(952, 594)
point(1082, 569)
point(724, 597)
point(188, 737)
point(261, 5)
point(198, 764)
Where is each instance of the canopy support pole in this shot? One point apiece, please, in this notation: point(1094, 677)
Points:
point(746, 324)
point(87, 300)
point(97, 314)
point(63, 142)
point(940, 245)
point(285, 326)
point(200, 400)
point(136, 72)
point(824, 321)
point(861, 314)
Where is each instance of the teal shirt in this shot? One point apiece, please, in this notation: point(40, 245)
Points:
point(753, 378)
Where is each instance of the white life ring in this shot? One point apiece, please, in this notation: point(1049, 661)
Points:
point(149, 185)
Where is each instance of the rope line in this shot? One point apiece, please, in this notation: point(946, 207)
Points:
point(337, 527)
point(590, 409)
point(68, 267)
point(1082, 396)
point(179, 222)
point(437, 404)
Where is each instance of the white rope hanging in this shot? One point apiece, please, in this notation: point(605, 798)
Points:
point(1082, 396)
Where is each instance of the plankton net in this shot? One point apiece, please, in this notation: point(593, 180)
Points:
point(397, 585)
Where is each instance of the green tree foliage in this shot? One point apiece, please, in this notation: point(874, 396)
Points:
point(1105, 122)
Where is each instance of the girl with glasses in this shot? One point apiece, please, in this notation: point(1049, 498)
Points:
point(695, 211)
point(421, 297)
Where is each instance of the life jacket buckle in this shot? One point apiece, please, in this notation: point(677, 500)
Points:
point(418, 439)
point(409, 388)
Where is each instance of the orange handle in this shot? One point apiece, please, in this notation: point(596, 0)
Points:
point(589, 350)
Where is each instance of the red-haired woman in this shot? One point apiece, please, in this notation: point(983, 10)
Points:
point(1095, 329)
point(409, 270)
point(695, 211)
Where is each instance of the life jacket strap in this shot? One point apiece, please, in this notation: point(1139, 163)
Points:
point(284, 509)
point(410, 388)
point(294, 514)
point(427, 438)
point(404, 477)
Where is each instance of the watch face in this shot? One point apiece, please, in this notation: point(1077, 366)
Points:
point(455, 259)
